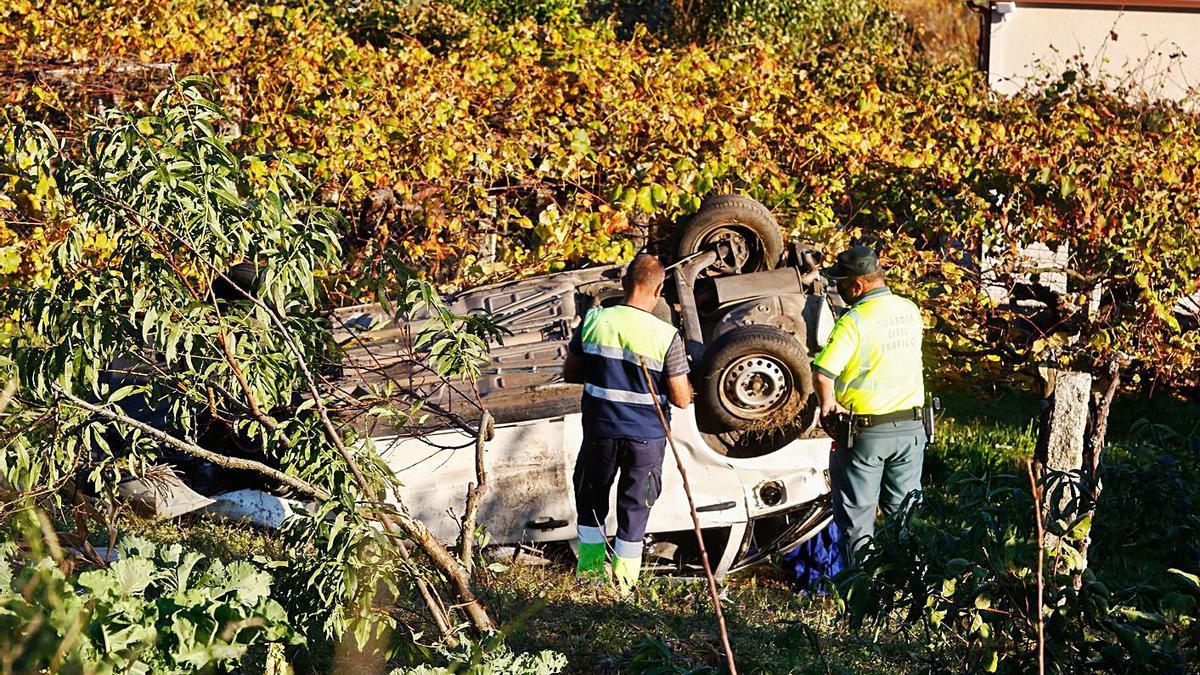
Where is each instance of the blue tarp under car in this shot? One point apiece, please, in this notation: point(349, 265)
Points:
point(816, 559)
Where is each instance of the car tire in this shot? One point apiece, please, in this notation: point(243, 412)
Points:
point(754, 377)
point(755, 242)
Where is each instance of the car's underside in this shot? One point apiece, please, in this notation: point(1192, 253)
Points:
point(752, 311)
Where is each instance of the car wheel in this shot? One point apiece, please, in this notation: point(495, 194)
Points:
point(742, 231)
point(755, 377)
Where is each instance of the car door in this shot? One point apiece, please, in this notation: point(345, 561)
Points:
point(528, 497)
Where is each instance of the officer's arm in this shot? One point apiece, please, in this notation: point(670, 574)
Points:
point(573, 369)
point(679, 391)
point(829, 404)
point(832, 360)
point(573, 366)
point(675, 367)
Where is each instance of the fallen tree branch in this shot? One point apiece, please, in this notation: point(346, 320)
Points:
point(251, 401)
point(438, 615)
point(415, 530)
point(197, 451)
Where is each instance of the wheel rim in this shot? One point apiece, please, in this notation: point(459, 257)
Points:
point(755, 386)
point(737, 251)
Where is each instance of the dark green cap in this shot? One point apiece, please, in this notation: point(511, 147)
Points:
point(855, 262)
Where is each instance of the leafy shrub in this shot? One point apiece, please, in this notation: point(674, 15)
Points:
point(821, 22)
point(138, 350)
point(1156, 518)
point(509, 11)
point(963, 580)
point(155, 610)
point(490, 658)
point(653, 657)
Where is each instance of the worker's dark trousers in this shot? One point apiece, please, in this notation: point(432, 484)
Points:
point(640, 464)
point(879, 471)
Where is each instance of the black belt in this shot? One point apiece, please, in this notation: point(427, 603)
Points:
point(907, 415)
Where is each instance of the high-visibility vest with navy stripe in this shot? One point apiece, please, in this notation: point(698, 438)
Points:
point(617, 402)
point(874, 355)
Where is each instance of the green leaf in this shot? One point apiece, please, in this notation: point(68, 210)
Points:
point(10, 259)
point(132, 575)
point(248, 584)
point(183, 570)
point(659, 194)
point(1192, 579)
point(628, 198)
point(1145, 619)
point(1081, 529)
point(645, 199)
point(172, 342)
point(136, 547)
point(149, 322)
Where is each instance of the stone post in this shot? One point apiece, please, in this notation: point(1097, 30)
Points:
point(1061, 443)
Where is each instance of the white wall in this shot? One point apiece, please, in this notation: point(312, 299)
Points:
point(1156, 50)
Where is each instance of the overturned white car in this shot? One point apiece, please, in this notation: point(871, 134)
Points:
point(752, 311)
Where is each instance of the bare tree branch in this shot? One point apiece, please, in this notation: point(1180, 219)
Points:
point(475, 492)
point(197, 451)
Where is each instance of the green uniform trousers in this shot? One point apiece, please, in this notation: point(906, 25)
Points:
point(880, 470)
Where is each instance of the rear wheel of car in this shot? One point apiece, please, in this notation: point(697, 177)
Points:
point(743, 232)
point(755, 377)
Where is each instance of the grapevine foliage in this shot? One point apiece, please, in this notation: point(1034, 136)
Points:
point(478, 148)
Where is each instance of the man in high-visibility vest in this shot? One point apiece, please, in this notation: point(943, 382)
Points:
point(869, 382)
point(621, 429)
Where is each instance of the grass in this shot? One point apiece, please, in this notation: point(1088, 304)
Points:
point(668, 626)
point(213, 536)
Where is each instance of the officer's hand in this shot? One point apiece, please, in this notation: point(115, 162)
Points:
point(831, 408)
point(828, 411)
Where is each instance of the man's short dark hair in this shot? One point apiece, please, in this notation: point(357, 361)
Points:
point(644, 272)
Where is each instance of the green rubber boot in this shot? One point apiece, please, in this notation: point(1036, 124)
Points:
point(591, 561)
point(626, 571)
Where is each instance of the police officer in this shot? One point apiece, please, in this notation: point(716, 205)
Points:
point(621, 429)
point(869, 382)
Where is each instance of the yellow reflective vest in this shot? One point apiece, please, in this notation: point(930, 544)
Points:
point(874, 355)
point(617, 402)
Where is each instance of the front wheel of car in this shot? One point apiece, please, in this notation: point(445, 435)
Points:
point(754, 377)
